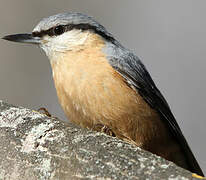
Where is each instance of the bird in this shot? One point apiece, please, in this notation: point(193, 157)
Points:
point(100, 83)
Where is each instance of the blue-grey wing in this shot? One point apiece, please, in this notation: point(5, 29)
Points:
point(136, 75)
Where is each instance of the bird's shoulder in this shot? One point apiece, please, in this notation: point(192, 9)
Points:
point(130, 67)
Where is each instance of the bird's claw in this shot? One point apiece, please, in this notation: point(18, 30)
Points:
point(104, 129)
point(44, 111)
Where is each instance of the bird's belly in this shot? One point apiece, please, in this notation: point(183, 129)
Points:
point(92, 92)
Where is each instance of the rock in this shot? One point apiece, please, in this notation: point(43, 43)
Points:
point(34, 146)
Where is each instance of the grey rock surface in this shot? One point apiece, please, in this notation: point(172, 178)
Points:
point(36, 147)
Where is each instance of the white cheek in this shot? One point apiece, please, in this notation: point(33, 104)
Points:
point(62, 43)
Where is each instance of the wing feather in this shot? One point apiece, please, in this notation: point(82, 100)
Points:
point(135, 73)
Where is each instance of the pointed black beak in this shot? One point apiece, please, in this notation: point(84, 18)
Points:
point(23, 38)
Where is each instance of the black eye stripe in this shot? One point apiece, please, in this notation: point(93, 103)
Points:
point(83, 27)
point(50, 32)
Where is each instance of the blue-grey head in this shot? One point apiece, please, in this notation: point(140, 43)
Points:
point(62, 32)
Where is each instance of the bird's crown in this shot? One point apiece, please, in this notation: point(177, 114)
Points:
point(58, 24)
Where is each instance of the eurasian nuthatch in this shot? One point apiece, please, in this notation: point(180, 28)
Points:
point(98, 81)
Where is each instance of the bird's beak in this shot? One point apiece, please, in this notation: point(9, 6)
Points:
point(23, 38)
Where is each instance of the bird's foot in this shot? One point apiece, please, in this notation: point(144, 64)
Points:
point(44, 111)
point(197, 176)
point(104, 129)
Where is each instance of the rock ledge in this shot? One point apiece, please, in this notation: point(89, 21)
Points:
point(34, 146)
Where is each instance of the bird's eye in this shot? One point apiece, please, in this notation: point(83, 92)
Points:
point(58, 30)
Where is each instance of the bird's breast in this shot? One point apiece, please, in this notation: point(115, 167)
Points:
point(91, 92)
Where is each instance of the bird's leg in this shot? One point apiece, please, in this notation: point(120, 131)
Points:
point(44, 111)
point(104, 129)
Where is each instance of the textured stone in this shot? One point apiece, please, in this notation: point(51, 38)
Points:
point(34, 146)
